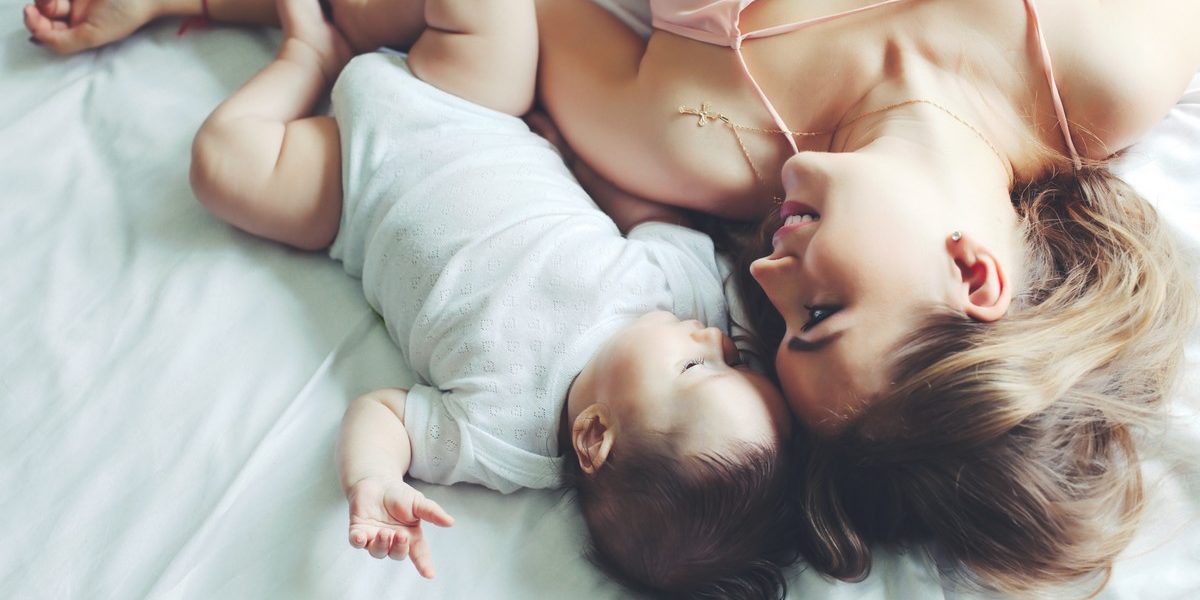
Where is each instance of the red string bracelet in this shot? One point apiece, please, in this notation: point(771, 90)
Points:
point(200, 21)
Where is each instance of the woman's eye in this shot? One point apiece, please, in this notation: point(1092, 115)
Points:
point(692, 363)
point(816, 314)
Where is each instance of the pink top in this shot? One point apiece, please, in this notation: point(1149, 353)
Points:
point(716, 22)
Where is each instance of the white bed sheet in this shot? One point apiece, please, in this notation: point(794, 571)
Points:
point(170, 389)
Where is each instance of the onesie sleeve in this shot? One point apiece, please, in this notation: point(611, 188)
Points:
point(689, 263)
point(438, 455)
point(447, 448)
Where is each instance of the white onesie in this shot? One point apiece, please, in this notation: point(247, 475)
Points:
point(496, 274)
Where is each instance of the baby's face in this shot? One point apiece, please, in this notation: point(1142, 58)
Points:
point(680, 377)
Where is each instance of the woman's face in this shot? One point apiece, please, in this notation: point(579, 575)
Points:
point(862, 253)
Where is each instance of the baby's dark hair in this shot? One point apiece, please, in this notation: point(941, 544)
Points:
point(700, 526)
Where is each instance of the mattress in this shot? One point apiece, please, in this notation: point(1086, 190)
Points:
point(171, 389)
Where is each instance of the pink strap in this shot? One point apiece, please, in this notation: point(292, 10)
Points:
point(1059, 109)
point(737, 49)
point(778, 30)
point(790, 27)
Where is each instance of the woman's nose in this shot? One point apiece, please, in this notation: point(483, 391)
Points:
point(773, 271)
point(779, 279)
point(796, 172)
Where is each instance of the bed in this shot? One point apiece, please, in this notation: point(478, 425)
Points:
point(170, 388)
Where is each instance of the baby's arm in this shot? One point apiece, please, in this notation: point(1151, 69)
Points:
point(482, 50)
point(374, 453)
point(261, 161)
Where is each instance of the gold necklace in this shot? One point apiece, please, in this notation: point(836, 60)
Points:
point(706, 115)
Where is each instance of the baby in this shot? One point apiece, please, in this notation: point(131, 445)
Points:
point(551, 346)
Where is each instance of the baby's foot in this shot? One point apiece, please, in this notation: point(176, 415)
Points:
point(304, 25)
point(70, 26)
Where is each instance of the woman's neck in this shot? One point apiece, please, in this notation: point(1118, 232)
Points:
point(945, 129)
point(952, 118)
point(967, 96)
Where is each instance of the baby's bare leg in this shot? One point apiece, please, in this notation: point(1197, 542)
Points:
point(260, 161)
point(482, 50)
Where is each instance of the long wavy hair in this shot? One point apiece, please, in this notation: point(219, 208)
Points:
point(1009, 446)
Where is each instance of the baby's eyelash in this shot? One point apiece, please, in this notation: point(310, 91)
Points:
point(692, 363)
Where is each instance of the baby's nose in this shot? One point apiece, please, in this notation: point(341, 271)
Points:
point(711, 337)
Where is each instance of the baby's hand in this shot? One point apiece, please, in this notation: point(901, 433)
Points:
point(385, 518)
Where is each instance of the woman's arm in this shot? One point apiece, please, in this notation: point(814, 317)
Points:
point(625, 209)
point(1125, 63)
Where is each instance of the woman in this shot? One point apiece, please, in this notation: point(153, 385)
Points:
point(969, 310)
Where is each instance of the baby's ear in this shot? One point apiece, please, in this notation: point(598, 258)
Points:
point(592, 436)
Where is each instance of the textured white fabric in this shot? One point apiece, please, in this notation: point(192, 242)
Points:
point(496, 274)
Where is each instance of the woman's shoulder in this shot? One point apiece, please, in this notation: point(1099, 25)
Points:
point(1120, 64)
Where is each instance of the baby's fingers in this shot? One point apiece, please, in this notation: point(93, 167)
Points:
point(399, 549)
point(380, 544)
point(54, 9)
point(428, 510)
point(421, 558)
point(359, 536)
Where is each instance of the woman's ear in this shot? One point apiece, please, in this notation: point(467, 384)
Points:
point(982, 290)
point(592, 436)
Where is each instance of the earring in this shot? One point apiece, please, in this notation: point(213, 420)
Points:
point(957, 235)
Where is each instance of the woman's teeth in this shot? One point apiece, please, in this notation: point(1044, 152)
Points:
point(805, 218)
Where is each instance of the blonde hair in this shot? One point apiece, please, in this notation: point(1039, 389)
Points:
point(1009, 445)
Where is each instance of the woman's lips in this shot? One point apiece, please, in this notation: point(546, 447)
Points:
point(794, 209)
